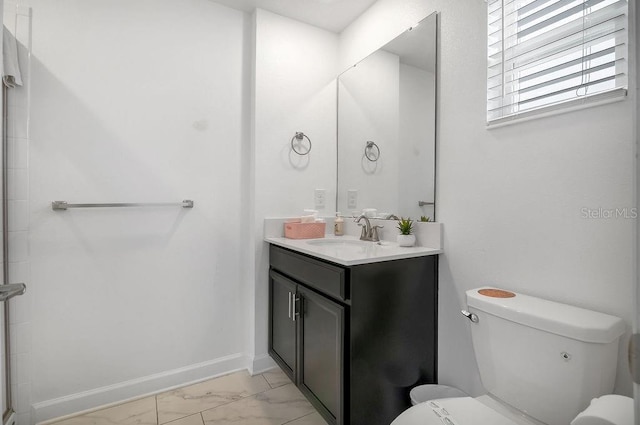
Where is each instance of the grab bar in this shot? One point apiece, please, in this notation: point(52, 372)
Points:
point(423, 203)
point(63, 205)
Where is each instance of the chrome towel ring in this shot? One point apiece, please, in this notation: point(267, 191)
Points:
point(372, 151)
point(300, 136)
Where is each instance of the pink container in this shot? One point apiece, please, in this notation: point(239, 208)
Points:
point(297, 230)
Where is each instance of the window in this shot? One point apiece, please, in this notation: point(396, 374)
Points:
point(551, 54)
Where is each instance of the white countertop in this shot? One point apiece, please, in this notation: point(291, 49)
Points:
point(350, 251)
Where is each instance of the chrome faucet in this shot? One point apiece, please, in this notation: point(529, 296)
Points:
point(369, 232)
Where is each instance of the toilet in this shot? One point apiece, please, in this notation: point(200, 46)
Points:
point(541, 362)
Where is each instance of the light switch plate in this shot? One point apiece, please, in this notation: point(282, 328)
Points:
point(319, 197)
point(352, 198)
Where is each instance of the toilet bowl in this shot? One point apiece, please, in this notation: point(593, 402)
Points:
point(542, 363)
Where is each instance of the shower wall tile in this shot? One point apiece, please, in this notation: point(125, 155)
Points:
point(21, 394)
point(18, 216)
point(17, 101)
point(19, 272)
point(18, 153)
point(23, 418)
point(21, 154)
point(23, 36)
point(19, 124)
point(23, 401)
point(11, 150)
point(18, 181)
point(18, 246)
point(20, 339)
point(20, 310)
point(22, 369)
point(11, 181)
point(23, 26)
point(20, 99)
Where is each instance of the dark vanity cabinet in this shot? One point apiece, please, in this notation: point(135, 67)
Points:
point(354, 339)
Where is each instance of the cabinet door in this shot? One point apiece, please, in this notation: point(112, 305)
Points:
point(282, 327)
point(321, 336)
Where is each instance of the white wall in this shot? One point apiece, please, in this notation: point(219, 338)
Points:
point(511, 198)
point(295, 69)
point(139, 101)
point(168, 107)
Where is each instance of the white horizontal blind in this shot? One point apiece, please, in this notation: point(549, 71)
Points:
point(548, 52)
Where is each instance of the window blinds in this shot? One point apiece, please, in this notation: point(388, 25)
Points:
point(544, 53)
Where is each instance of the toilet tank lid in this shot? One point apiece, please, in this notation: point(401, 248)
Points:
point(550, 316)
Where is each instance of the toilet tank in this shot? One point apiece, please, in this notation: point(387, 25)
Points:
point(541, 357)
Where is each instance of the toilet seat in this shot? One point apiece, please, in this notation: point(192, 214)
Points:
point(607, 409)
point(452, 411)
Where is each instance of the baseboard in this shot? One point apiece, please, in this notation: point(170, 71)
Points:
point(86, 401)
point(260, 364)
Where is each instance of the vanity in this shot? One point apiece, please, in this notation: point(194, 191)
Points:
point(353, 324)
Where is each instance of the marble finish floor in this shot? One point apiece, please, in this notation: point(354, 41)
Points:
point(236, 399)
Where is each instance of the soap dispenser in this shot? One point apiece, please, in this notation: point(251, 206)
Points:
point(338, 226)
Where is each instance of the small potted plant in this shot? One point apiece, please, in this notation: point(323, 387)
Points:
point(425, 219)
point(406, 236)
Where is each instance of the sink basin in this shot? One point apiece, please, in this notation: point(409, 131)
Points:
point(338, 242)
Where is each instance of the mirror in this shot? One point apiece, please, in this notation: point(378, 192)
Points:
point(386, 128)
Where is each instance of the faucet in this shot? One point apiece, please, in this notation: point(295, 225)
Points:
point(369, 232)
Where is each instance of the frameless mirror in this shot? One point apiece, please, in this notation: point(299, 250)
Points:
point(386, 128)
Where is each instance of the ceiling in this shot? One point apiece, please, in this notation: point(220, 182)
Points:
point(332, 15)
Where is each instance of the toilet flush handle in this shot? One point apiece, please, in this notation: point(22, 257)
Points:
point(471, 316)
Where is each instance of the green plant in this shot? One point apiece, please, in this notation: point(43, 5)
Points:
point(425, 219)
point(405, 225)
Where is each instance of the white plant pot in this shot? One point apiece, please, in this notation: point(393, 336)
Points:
point(406, 240)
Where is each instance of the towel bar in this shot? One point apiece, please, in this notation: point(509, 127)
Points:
point(63, 205)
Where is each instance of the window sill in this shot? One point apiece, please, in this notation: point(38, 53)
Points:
point(603, 98)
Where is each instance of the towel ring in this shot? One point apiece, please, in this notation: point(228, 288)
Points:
point(300, 136)
point(372, 155)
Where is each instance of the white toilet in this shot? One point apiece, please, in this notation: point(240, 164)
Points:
point(541, 362)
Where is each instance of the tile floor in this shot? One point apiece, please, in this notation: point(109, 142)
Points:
point(239, 399)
